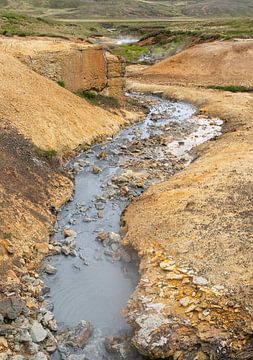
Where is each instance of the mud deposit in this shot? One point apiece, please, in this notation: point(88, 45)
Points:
point(93, 275)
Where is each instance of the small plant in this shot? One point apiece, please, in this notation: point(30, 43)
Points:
point(131, 53)
point(61, 83)
point(47, 154)
point(99, 100)
point(7, 235)
point(231, 88)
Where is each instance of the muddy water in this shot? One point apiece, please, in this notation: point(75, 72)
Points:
point(95, 283)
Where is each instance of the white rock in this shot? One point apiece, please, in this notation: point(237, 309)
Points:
point(39, 356)
point(199, 280)
point(38, 333)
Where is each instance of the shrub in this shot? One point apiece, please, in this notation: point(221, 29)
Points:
point(48, 154)
point(61, 83)
point(99, 100)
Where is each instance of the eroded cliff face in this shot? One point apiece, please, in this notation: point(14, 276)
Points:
point(77, 65)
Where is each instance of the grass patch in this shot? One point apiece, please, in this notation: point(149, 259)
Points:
point(7, 235)
point(131, 53)
point(99, 100)
point(47, 154)
point(61, 83)
point(231, 88)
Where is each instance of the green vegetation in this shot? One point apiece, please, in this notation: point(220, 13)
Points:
point(7, 235)
point(231, 88)
point(47, 154)
point(99, 100)
point(61, 83)
point(16, 24)
point(131, 53)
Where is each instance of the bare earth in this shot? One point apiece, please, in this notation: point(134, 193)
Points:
point(200, 223)
point(216, 63)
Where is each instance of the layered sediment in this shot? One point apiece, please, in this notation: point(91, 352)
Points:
point(75, 65)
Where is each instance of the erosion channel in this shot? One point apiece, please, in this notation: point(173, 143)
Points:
point(92, 275)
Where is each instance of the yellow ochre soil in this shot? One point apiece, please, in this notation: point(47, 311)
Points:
point(216, 63)
point(200, 223)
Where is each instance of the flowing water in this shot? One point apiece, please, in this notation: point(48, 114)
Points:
point(95, 283)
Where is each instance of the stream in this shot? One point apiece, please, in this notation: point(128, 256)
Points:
point(94, 275)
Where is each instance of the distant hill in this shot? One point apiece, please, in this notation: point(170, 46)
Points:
point(112, 9)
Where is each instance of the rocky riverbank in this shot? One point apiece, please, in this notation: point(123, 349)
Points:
point(193, 234)
point(141, 155)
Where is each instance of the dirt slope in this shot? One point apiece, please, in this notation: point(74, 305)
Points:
point(29, 188)
point(200, 222)
point(217, 63)
point(48, 115)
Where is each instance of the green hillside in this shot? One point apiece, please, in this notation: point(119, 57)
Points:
point(111, 9)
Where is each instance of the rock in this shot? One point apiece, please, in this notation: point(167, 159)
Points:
point(65, 250)
point(39, 356)
point(69, 233)
point(47, 317)
point(199, 280)
point(32, 348)
point(185, 301)
point(167, 265)
point(42, 248)
point(17, 357)
point(3, 343)
point(102, 236)
point(12, 307)
point(120, 348)
point(114, 238)
point(50, 270)
point(99, 206)
point(12, 277)
point(96, 169)
point(37, 332)
point(114, 247)
point(78, 336)
point(4, 356)
point(102, 155)
point(24, 336)
point(52, 325)
point(76, 357)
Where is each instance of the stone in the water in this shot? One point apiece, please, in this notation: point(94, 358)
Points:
point(99, 206)
point(114, 238)
point(50, 270)
point(65, 250)
point(11, 307)
point(69, 233)
point(38, 333)
point(76, 337)
point(119, 347)
point(96, 170)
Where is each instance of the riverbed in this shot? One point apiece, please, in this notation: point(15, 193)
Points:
point(95, 275)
